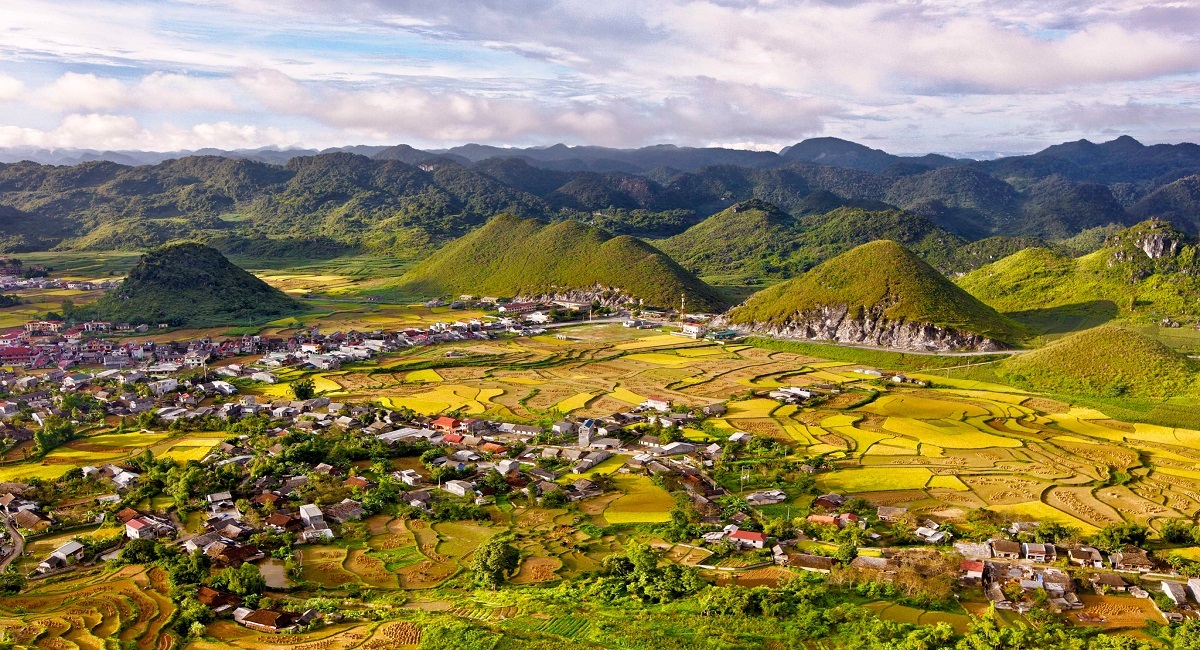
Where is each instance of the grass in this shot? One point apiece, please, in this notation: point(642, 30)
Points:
point(876, 479)
point(950, 434)
point(1038, 511)
point(884, 280)
point(642, 502)
point(575, 402)
point(511, 256)
point(1106, 361)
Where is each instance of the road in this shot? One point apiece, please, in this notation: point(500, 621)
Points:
point(18, 545)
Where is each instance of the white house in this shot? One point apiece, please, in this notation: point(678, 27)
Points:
point(409, 477)
point(507, 466)
point(458, 488)
point(312, 516)
point(657, 403)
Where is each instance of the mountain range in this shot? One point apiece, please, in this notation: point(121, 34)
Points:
point(407, 202)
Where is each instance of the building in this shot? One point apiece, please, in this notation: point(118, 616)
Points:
point(312, 516)
point(1176, 592)
point(972, 569)
point(1006, 550)
point(749, 538)
point(694, 330)
point(62, 557)
point(658, 404)
point(458, 488)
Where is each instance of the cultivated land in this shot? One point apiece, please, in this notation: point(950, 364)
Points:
point(966, 442)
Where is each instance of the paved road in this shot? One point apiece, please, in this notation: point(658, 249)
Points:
point(18, 545)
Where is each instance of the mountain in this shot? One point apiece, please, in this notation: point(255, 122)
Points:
point(878, 294)
point(1177, 201)
point(1150, 271)
point(836, 152)
point(511, 256)
point(604, 159)
point(191, 284)
point(1123, 160)
point(757, 239)
point(1105, 361)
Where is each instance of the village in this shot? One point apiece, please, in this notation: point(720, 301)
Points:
point(70, 378)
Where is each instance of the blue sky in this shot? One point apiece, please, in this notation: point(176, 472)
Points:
point(914, 76)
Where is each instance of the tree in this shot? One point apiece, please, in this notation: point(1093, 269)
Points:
point(1115, 537)
point(11, 581)
point(245, 580)
point(303, 389)
point(1177, 531)
point(493, 561)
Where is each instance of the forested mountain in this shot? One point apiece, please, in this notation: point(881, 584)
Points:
point(405, 201)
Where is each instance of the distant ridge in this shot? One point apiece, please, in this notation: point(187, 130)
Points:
point(877, 294)
point(510, 256)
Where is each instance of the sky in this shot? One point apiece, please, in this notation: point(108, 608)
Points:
point(908, 76)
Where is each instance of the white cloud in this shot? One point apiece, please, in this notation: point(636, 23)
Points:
point(911, 76)
point(74, 91)
point(10, 88)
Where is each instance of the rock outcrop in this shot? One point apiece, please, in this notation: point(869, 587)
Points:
point(834, 324)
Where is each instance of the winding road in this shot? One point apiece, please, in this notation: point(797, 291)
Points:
point(18, 545)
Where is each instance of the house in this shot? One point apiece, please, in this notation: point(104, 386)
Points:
point(658, 404)
point(1132, 559)
point(1086, 556)
point(693, 330)
point(1176, 592)
point(714, 410)
point(62, 557)
point(749, 538)
point(1107, 582)
point(283, 522)
point(971, 569)
point(218, 601)
point(139, 528)
point(508, 466)
point(564, 427)
point(931, 536)
point(30, 520)
point(676, 449)
point(740, 436)
point(1038, 552)
point(814, 563)
point(890, 514)
point(312, 516)
point(766, 497)
point(444, 423)
point(268, 620)
point(1006, 550)
point(345, 510)
point(409, 477)
point(458, 488)
point(831, 501)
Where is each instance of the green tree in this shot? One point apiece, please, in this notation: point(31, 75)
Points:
point(11, 581)
point(1115, 537)
point(245, 580)
point(303, 389)
point(493, 561)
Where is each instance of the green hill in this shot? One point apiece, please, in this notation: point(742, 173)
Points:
point(1106, 361)
point(190, 284)
point(757, 239)
point(511, 256)
point(1148, 271)
point(879, 293)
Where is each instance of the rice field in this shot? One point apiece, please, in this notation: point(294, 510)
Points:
point(642, 502)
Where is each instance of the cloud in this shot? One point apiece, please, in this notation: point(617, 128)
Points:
point(10, 88)
point(913, 76)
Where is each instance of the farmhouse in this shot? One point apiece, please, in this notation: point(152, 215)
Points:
point(62, 557)
point(1132, 559)
point(971, 569)
point(1176, 592)
point(1106, 582)
point(1006, 550)
point(749, 538)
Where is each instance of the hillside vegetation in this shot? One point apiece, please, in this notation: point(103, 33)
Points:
point(190, 284)
point(511, 256)
point(879, 280)
point(1149, 271)
point(406, 202)
point(1106, 361)
point(757, 239)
